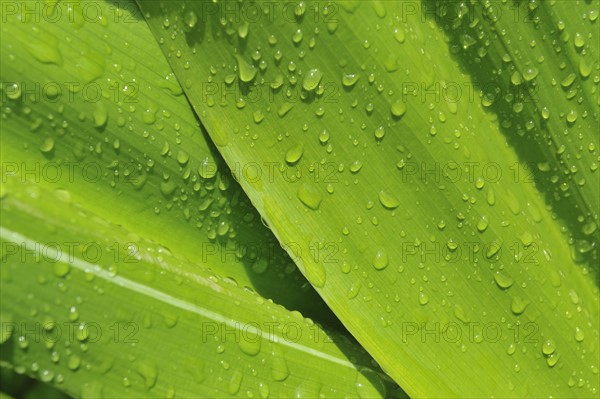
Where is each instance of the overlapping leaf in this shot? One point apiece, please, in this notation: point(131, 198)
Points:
point(145, 323)
point(450, 269)
point(123, 235)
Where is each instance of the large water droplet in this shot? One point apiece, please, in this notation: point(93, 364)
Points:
point(398, 109)
point(293, 155)
point(389, 201)
point(548, 347)
point(309, 196)
point(312, 79)
point(518, 305)
point(350, 79)
point(235, 382)
point(246, 72)
point(503, 280)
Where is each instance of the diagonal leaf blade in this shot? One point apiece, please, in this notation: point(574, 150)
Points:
point(429, 240)
point(111, 324)
point(118, 134)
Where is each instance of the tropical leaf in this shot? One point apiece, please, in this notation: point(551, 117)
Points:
point(449, 262)
point(104, 166)
point(544, 89)
point(88, 115)
point(100, 322)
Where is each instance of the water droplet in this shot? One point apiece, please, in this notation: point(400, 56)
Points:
point(516, 78)
point(246, 71)
point(354, 289)
point(530, 73)
point(148, 371)
point(13, 91)
point(44, 48)
point(579, 334)
point(207, 169)
point(423, 298)
point(190, 19)
point(552, 359)
point(568, 80)
point(324, 137)
point(297, 36)
point(518, 305)
point(182, 157)
point(47, 146)
point(235, 382)
point(46, 375)
point(398, 109)
point(548, 347)
point(578, 40)
point(100, 115)
point(243, 30)
point(263, 390)
point(74, 362)
point(309, 196)
point(293, 155)
point(503, 280)
point(482, 224)
point(350, 79)
point(574, 297)
point(356, 166)
point(312, 79)
point(389, 201)
point(399, 34)
point(380, 260)
point(279, 367)
point(584, 68)
point(380, 133)
point(315, 273)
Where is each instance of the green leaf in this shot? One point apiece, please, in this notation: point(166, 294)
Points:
point(99, 321)
point(449, 267)
point(551, 119)
point(104, 118)
point(103, 162)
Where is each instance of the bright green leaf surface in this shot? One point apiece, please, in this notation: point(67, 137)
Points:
point(98, 113)
point(97, 321)
point(450, 268)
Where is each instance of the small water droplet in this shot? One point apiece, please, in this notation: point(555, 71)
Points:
point(423, 298)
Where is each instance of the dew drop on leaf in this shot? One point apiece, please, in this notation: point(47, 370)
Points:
point(380, 260)
point(312, 79)
point(389, 201)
